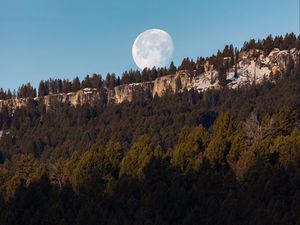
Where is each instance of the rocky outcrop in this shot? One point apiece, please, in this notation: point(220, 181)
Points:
point(86, 95)
point(147, 90)
point(13, 104)
point(172, 83)
point(128, 92)
point(253, 66)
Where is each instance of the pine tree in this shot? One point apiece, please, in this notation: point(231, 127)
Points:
point(145, 75)
point(191, 144)
point(218, 147)
point(153, 74)
point(53, 86)
point(76, 84)
point(66, 86)
point(222, 77)
point(42, 89)
point(172, 68)
point(284, 121)
point(87, 83)
point(110, 81)
point(137, 158)
point(59, 86)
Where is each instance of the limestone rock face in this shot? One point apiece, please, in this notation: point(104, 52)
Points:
point(253, 66)
point(128, 92)
point(163, 84)
point(207, 67)
point(168, 83)
point(86, 95)
point(13, 104)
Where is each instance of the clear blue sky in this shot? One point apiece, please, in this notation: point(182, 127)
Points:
point(40, 39)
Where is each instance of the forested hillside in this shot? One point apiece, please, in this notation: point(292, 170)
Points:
point(223, 156)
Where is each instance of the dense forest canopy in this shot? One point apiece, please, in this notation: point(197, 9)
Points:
point(224, 156)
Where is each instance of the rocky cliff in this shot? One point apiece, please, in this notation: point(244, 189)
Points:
point(253, 66)
point(87, 95)
point(127, 92)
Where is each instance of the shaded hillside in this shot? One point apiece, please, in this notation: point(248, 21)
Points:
point(229, 155)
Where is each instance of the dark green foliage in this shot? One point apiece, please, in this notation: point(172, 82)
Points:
point(4, 95)
point(76, 84)
point(219, 157)
point(218, 146)
point(25, 91)
point(172, 68)
point(289, 41)
point(187, 154)
point(110, 81)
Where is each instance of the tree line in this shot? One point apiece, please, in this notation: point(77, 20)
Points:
point(222, 62)
point(227, 156)
point(289, 41)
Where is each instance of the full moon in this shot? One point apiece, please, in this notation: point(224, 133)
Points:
point(151, 48)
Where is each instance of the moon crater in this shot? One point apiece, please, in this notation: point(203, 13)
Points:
point(151, 48)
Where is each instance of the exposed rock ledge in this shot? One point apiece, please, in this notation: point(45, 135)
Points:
point(118, 95)
point(81, 97)
point(253, 66)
